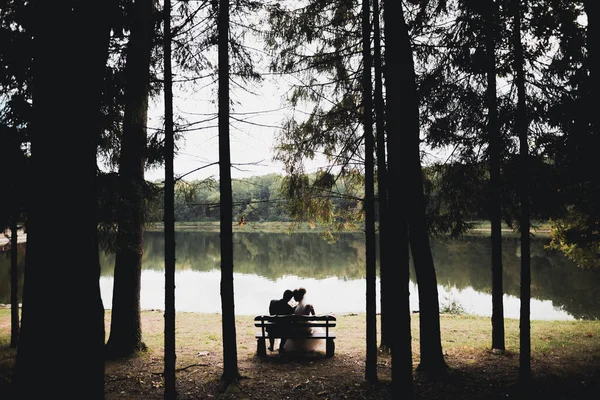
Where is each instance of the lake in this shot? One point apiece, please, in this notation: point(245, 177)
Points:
point(266, 264)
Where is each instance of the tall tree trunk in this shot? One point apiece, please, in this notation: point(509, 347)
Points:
point(432, 359)
point(395, 31)
point(386, 286)
point(521, 127)
point(67, 83)
point(125, 328)
point(370, 244)
point(230, 367)
point(169, 213)
point(14, 280)
point(494, 203)
point(592, 10)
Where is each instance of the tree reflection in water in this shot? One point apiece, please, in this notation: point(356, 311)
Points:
point(268, 263)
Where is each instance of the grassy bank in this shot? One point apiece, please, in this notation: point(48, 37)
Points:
point(565, 362)
point(214, 226)
point(537, 227)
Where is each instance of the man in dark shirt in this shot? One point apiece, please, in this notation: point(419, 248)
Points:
point(280, 307)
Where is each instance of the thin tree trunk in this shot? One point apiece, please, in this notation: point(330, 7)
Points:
point(66, 109)
point(494, 154)
point(230, 367)
point(386, 285)
point(14, 281)
point(370, 244)
point(126, 329)
point(395, 31)
point(521, 127)
point(169, 213)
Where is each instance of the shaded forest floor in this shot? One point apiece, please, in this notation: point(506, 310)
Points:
point(565, 363)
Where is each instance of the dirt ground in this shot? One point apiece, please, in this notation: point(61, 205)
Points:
point(477, 376)
point(474, 372)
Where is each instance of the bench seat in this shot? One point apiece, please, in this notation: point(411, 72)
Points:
point(295, 327)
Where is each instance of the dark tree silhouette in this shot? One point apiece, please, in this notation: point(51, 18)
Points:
point(432, 359)
point(396, 41)
point(369, 200)
point(493, 131)
point(15, 110)
point(521, 127)
point(67, 86)
point(125, 328)
point(230, 367)
point(572, 80)
point(386, 285)
point(169, 211)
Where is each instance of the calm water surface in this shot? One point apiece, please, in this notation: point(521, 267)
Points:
point(267, 263)
point(333, 274)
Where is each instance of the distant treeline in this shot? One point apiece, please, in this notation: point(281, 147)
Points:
point(255, 199)
point(260, 199)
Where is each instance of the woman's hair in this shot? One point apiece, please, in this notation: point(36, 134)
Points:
point(299, 294)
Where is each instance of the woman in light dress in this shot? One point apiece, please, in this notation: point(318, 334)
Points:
point(304, 308)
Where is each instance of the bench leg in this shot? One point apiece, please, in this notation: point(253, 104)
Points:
point(261, 347)
point(329, 347)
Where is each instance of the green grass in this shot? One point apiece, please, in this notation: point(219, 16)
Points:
point(536, 226)
point(214, 226)
point(480, 227)
point(565, 357)
point(459, 332)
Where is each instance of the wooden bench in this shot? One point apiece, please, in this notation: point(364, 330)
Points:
point(294, 327)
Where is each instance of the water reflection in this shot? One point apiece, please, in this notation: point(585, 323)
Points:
point(266, 264)
point(466, 263)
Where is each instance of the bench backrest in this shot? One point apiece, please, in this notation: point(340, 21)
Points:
point(313, 320)
point(290, 321)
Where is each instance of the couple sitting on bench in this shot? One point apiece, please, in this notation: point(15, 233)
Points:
point(283, 307)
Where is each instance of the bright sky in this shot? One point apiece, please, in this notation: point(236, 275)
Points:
point(255, 121)
point(250, 143)
point(255, 118)
point(257, 114)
